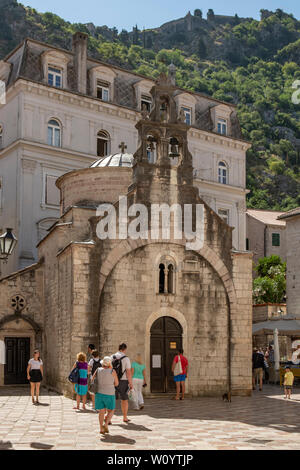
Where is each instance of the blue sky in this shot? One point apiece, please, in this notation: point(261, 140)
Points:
point(152, 13)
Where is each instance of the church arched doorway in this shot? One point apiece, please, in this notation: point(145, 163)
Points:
point(165, 340)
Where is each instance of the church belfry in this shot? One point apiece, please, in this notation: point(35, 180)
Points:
point(163, 159)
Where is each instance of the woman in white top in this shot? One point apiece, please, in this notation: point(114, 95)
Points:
point(35, 373)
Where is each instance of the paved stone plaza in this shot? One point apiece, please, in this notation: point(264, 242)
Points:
point(264, 421)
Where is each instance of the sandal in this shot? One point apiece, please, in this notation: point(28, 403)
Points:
point(126, 420)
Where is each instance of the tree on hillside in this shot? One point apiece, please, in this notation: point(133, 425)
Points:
point(270, 285)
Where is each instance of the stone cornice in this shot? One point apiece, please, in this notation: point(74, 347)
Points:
point(48, 150)
point(92, 103)
point(90, 244)
point(73, 98)
point(222, 187)
point(32, 267)
point(213, 137)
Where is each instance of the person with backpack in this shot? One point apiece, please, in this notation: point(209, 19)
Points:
point(122, 365)
point(93, 365)
point(258, 365)
point(81, 387)
point(180, 369)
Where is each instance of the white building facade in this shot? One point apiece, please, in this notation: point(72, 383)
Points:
point(64, 109)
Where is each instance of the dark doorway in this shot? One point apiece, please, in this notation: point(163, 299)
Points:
point(166, 339)
point(17, 357)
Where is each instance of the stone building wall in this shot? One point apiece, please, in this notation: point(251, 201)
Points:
point(293, 265)
point(131, 293)
point(94, 186)
point(28, 284)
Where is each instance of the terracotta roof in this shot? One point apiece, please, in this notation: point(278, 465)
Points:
point(290, 213)
point(267, 217)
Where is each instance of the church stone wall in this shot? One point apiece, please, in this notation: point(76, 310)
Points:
point(94, 186)
point(30, 321)
point(130, 296)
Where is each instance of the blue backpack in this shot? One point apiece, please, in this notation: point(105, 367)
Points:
point(74, 375)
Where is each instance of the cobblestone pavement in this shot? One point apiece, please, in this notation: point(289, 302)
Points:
point(264, 421)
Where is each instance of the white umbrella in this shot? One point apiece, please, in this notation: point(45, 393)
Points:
point(276, 350)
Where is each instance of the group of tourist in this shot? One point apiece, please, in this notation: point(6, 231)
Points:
point(261, 361)
point(107, 379)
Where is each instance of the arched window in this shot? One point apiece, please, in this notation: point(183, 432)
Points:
point(54, 133)
point(171, 279)
point(151, 149)
point(166, 278)
point(161, 278)
point(103, 144)
point(222, 173)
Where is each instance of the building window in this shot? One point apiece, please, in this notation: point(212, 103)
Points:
point(54, 133)
point(103, 141)
point(52, 194)
point(222, 173)
point(222, 126)
point(247, 244)
point(1, 136)
point(102, 90)
point(166, 279)
point(151, 149)
point(146, 103)
point(170, 279)
point(161, 278)
point(275, 239)
point(188, 115)
point(55, 77)
point(224, 214)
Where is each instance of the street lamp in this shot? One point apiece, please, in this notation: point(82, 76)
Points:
point(8, 242)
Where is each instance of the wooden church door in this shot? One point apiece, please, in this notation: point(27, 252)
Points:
point(17, 357)
point(166, 339)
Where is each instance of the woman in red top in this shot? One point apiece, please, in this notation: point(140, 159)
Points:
point(180, 378)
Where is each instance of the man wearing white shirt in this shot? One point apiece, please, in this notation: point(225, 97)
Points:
point(125, 381)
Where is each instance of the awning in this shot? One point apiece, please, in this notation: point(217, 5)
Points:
point(288, 326)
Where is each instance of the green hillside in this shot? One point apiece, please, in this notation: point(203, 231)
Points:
point(240, 60)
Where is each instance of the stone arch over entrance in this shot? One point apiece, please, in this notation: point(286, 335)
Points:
point(21, 335)
point(163, 312)
point(127, 246)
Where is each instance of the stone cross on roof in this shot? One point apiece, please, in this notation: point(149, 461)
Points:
point(123, 147)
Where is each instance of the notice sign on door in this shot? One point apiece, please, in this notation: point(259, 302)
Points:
point(156, 361)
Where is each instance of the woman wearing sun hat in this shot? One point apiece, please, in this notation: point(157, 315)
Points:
point(105, 399)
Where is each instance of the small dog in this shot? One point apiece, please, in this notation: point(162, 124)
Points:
point(227, 397)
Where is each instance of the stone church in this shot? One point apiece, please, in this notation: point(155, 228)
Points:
point(155, 294)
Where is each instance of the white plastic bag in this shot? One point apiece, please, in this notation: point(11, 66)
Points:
point(132, 398)
point(178, 367)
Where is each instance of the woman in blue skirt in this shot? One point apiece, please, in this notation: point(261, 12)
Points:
point(82, 387)
point(106, 380)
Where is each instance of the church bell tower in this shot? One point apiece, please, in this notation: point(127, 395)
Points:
point(162, 169)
